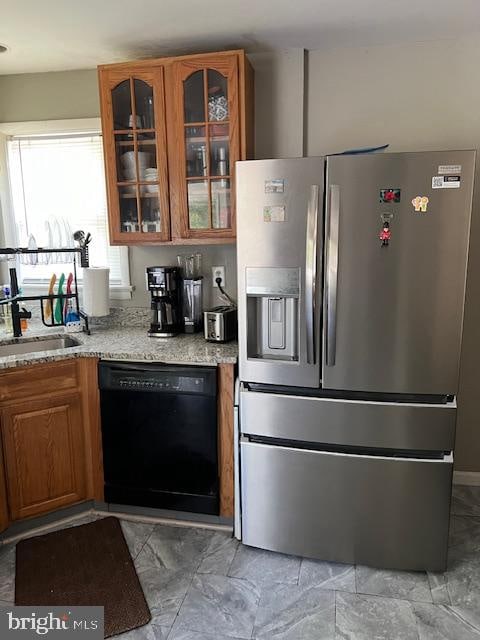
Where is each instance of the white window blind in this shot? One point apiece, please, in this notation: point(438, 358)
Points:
point(61, 178)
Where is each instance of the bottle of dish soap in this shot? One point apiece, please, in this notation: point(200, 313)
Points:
point(7, 310)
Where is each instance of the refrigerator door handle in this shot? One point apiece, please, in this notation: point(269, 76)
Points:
point(311, 271)
point(333, 218)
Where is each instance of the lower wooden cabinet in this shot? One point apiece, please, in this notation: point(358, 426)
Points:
point(44, 453)
point(50, 447)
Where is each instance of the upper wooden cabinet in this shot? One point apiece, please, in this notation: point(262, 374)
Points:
point(135, 146)
point(173, 129)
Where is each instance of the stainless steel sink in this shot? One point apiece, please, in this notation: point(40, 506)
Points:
point(33, 346)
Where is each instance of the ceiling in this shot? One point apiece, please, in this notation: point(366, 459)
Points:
point(54, 35)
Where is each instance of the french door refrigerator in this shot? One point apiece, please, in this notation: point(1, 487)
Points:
point(351, 276)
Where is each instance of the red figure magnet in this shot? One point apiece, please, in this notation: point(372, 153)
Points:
point(385, 234)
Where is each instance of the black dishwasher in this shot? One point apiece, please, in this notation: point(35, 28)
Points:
point(159, 430)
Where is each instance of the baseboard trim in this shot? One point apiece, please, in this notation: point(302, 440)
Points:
point(471, 478)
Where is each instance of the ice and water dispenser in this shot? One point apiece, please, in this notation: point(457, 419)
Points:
point(272, 312)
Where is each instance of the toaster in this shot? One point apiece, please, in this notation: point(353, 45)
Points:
point(220, 324)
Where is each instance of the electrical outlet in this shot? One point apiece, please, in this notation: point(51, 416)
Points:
point(218, 272)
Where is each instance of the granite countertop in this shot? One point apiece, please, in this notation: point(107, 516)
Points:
point(120, 343)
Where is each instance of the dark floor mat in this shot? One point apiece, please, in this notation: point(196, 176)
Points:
point(88, 565)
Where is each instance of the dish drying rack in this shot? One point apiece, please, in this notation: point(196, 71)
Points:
point(16, 297)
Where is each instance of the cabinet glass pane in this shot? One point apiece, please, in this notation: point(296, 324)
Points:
point(217, 96)
point(221, 210)
point(197, 191)
point(125, 158)
point(196, 151)
point(128, 209)
point(147, 158)
point(122, 105)
point(140, 164)
point(150, 206)
point(219, 150)
point(194, 99)
point(144, 107)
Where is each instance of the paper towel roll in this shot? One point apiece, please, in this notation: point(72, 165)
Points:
point(96, 295)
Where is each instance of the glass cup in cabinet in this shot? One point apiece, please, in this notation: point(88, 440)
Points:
point(128, 209)
point(221, 208)
point(198, 215)
point(196, 151)
point(219, 150)
point(151, 220)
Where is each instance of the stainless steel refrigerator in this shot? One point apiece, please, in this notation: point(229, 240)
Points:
point(351, 278)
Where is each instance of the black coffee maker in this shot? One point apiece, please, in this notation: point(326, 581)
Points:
point(164, 284)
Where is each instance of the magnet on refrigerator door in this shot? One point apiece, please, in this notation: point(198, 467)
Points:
point(420, 204)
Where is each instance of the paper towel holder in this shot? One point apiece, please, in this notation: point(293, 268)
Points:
point(95, 298)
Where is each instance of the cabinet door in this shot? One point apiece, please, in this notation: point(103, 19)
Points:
point(204, 146)
point(43, 444)
point(134, 138)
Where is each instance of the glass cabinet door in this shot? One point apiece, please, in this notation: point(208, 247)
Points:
point(207, 119)
point(138, 189)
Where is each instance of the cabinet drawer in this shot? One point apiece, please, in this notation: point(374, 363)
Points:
point(382, 425)
point(379, 511)
point(37, 380)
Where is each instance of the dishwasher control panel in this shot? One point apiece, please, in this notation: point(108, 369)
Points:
point(172, 383)
point(157, 378)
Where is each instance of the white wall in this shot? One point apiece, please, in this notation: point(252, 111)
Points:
point(49, 96)
point(415, 96)
point(421, 96)
point(279, 104)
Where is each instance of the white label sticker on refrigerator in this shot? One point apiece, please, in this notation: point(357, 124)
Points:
point(445, 182)
point(450, 168)
point(275, 186)
point(275, 213)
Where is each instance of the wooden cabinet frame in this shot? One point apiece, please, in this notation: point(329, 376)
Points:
point(236, 67)
point(178, 73)
point(109, 79)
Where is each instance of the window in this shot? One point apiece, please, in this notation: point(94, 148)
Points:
point(57, 186)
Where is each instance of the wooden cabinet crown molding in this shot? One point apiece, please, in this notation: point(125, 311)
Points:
point(165, 61)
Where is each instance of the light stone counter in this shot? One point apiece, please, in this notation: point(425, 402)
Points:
point(126, 344)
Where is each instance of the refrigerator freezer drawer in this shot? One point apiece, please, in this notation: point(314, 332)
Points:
point(349, 422)
point(384, 512)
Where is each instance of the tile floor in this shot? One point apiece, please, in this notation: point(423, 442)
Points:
point(204, 585)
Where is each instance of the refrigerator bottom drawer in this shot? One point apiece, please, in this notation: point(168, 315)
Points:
point(383, 512)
